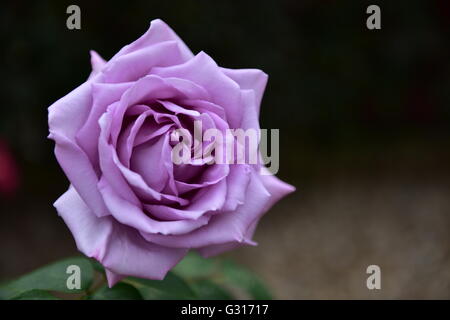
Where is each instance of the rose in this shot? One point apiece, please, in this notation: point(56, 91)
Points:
point(129, 206)
point(9, 172)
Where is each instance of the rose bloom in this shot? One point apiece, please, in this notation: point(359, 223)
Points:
point(129, 206)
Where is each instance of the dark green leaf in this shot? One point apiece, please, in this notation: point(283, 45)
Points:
point(245, 280)
point(208, 290)
point(36, 295)
point(52, 277)
point(97, 266)
point(121, 291)
point(172, 287)
point(194, 266)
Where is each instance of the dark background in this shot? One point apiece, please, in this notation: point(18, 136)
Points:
point(364, 127)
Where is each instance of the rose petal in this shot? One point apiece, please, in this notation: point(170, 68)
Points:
point(127, 138)
point(144, 192)
point(214, 250)
point(178, 109)
point(119, 177)
point(158, 32)
point(65, 118)
point(227, 226)
point(249, 114)
point(120, 249)
point(130, 215)
point(239, 179)
point(204, 71)
point(252, 79)
point(103, 95)
point(232, 226)
point(210, 176)
point(148, 88)
point(91, 233)
point(97, 63)
point(108, 166)
point(134, 65)
point(113, 278)
point(204, 106)
point(150, 160)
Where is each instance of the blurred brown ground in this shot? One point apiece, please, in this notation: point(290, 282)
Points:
point(319, 244)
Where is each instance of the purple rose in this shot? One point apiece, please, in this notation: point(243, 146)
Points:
point(129, 206)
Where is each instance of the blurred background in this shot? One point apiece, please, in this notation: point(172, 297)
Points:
point(364, 119)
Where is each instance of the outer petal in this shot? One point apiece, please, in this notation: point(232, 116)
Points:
point(90, 232)
point(103, 94)
point(120, 249)
point(135, 65)
point(252, 79)
point(129, 254)
point(238, 181)
point(250, 113)
point(158, 32)
point(97, 63)
point(214, 250)
point(226, 227)
point(65, 118)
point(277, 189)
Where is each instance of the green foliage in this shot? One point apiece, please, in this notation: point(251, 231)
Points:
point(193, 278)
point(194, 266)
point(210, 290)
point(121, 291)
point(52, 277)
point(172, 287)
point(247, 281)
point(221, 279)
point(35, 295)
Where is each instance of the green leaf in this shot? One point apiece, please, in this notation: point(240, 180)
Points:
point(52, 277)
point(36, 295)
point(208, 290)
point(121, 291)
point(172, 287)
point(97, 265)
point(195, 266)
point(244, 279)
